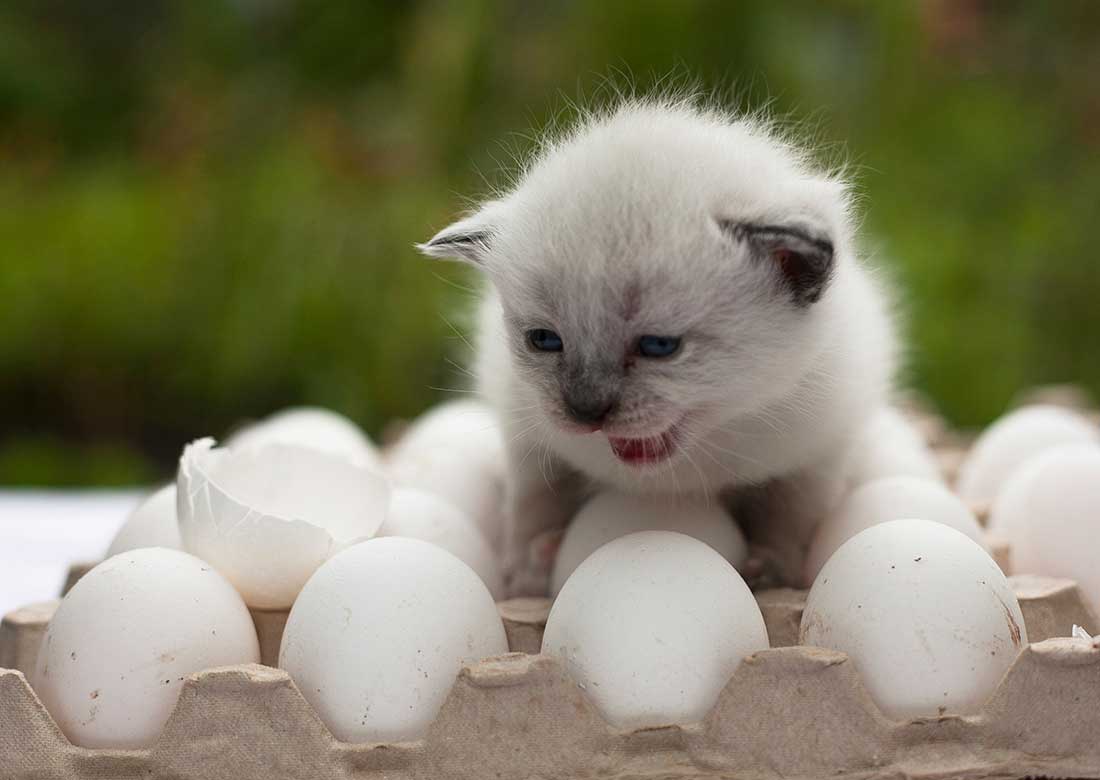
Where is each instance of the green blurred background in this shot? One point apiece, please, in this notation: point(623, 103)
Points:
point(207, 209)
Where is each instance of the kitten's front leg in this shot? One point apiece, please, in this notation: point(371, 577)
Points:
point(542, 496)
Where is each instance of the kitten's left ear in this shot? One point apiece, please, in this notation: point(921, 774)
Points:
point(802, 257)
point(470, 238)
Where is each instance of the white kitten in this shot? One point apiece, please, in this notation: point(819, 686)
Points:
point(676, 305)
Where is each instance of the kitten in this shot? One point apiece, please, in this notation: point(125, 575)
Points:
point(676, 306)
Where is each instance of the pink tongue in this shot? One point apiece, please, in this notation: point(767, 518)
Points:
point(639, 449)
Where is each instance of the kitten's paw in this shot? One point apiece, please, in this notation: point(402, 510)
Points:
point(765, 568)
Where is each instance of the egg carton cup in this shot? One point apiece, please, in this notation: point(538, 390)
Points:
point(792, 712)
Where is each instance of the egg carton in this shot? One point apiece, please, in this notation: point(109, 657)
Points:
point(787, 712)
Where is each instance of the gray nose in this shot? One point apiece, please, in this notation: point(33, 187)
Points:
point(588, 411)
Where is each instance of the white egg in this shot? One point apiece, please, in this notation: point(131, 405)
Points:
point(456, 451)
point(888, 445)
point(923, 612)
point(611, 514)
point(120, 645)
point(151, 524)
point(379, 634)
point(1011, 440)
point(417, 514)
point(308, 426)
point(266, 518)
point(891, 498)
point(1049, 513)
point(652, 626)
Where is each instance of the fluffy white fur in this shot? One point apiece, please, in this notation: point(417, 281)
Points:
point(616, 229)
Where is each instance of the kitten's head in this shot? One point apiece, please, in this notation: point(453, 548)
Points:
point(662, 270)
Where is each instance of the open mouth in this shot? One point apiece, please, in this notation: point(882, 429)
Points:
point(645, 450)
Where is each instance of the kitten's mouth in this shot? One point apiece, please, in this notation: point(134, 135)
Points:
point(645, 450)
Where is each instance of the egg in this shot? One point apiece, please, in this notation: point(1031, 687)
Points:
point(923, 612)
point(309, 426)
point(456, 451)
point(266, 518)
point(891, 498)
point(379, 634)
point(888, 445)
point(1049, 513)
point(417, 514)
point(118, 648)
point(610, 514)
point(151, 524)
point(1011, 440)
point(652, 626)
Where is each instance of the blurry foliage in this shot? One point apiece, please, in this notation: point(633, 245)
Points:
point(207, 209)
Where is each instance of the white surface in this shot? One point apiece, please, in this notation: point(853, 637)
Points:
point(42, 532)
point(377, 661)
point(126, 636)
point(267, 518)
point(923, 612)
point(611, 514)
point(652, 626)
point(152, 524)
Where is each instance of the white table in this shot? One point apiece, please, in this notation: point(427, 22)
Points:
point(43, 531)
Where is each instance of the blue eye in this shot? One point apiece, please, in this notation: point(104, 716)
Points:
point(658, 346)
point(544, 340)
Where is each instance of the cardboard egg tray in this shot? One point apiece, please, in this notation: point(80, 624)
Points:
point(790, 712)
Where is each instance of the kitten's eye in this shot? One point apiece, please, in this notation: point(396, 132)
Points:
point(544, 340)
point(658, 346)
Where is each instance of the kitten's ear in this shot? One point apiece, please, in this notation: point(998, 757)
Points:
point(802, 257)
point(470, 238)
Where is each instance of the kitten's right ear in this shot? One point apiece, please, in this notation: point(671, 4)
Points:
point(470, 238)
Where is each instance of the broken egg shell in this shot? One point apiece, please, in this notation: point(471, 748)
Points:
point(266, 518)
point(118, 648)
point(652, 626)
point(417, 514)
point(1013, 439)
point(309, 426)
point(923, 612)
point(152, 524)
point(379, 634)
point(890, 498)
point(611, 514)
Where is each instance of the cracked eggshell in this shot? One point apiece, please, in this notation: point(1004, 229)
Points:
point(122, 641)
point(610, 514)
point(152, 524)
point(1013, 439)
point(923, 612)
point(417, 514)
point(652, 626)
point(379, 634)
point(456, 451)
point(308, 426)
point(267, 518)
point(891, 498)
point(1049, 513)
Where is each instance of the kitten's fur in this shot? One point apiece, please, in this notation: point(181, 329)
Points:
point(665, 219)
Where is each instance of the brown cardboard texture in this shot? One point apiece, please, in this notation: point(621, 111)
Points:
point(797, 712)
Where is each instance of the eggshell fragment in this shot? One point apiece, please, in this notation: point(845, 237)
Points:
point(888, 445)
point(652, 626)
point(456, 451)
point(611, 514)
point(308, 426)
point(891, 498)
point(266, 518)
point(417, 514)
point(1049, 512)
point(379, 634)
point(151, 524)
point(122, 641)
point(924, 613)
point(1011, 440)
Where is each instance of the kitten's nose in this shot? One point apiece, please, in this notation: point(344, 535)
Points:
point(589, 411)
